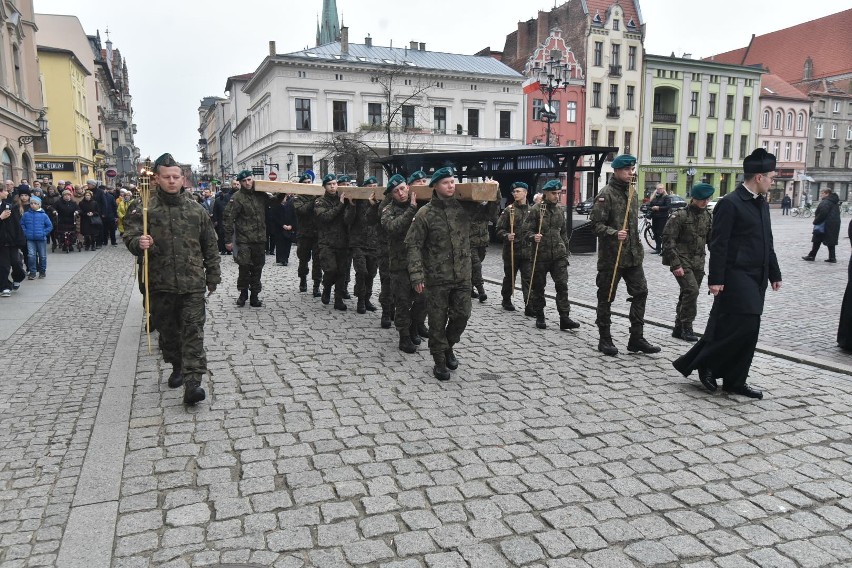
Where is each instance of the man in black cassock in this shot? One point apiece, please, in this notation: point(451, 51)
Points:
point(742, 265)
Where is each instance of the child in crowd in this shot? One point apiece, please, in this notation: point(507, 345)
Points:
point(37, 226)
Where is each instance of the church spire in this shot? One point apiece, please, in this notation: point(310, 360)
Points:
point(329, 24)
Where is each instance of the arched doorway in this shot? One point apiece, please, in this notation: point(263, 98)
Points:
point(6, 164)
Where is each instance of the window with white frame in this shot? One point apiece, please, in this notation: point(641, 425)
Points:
point(571, 111)
point(788, 149)
point(767, 116)
point(790, 121)
point(800, 122)
point(818, 133)
point(799, 147)
point(834, 132)
point(778, 117)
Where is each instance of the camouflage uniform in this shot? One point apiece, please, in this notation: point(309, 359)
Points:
point(515, 214)
point(684, 245)
point(410, 306)
point(246, 213)
point(333, 243)
point(386, 292)
point(478, 248)
point(307, 248)
point(607, 218)
point(438, 244)
point(182, 264)
point(361, 220)
point(552, 255)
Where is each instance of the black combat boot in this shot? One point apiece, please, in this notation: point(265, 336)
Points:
point(254, 301)
point(193, 393)
point(606, 346)
point(539, 321)
point(369, 305)
point(241, 301)
point(677, 332)
point(303, 284)
point(482, 295)
point(566, 322)
point(339, 304)
point(474, 293)
point(639, 343)
point(361, 308)
point(345, 293)
point(688, 334)
point(440, 369)
point(405, 344)
point(176, 378)
point(422, 330)
point(412, 332)
point(508, 305)
point(450, 357)
point(528, 311)
point(317, 293)
point(386, 318)
point(326, 294)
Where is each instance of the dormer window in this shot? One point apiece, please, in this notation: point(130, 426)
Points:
point(616, 24)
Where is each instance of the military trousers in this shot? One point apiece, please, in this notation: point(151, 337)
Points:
point(307, 249)
point(637, 289)
point(386, 292)
point(366, 265)
point(558, 271)
point(179, 319)
point(410, 306)
point(250, 257)
point(477, 255)
point(523, 266)
point(690, 286)
point(335, 266)
point(448, 307)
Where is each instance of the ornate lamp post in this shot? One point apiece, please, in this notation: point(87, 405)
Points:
point(552, 77)
point(42, 126)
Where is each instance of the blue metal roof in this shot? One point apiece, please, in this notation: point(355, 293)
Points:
point(415, 59)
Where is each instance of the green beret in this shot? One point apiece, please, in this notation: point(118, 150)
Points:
point(369, 180)
point(702, 191)
point(343, 179)
point(329, 178)
point(419, 174)
point(306, 177)
point(441, 174)
point(623, 161)
point(520, 184)
point(552, 185)
point(243, 175)
point(394, 181)
point(166, 161)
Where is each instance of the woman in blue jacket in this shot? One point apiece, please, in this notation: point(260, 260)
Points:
point(37, 226)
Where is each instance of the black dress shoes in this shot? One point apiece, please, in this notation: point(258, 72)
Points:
point(508, 305)
point(705, 375)
point(745, 390)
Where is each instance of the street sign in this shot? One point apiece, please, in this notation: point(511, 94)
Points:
point(111, 173)
point(273, 175)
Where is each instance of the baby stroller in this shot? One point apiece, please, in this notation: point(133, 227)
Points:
point(68, 237)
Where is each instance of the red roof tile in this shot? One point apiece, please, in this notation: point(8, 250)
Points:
point(631, 10)
point(774, 86)
point(827, 41)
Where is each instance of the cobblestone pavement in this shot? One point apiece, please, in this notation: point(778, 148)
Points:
point(800, 318)
point(322, 445)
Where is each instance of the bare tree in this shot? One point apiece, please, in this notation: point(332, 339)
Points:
point(403, 99)
point(347, 150)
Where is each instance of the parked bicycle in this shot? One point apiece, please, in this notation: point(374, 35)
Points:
point(806, 211)
point(647, 231)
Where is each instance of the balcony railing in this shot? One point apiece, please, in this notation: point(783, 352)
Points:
point(665, 117)
point(615, 70)
point(662, 160)
point(613, 111)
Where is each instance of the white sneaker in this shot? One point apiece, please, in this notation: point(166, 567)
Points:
point(5, 293)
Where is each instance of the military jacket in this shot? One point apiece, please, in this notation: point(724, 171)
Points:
point(479, 233)
point(438, 240)
point(331, 227)
point(381, 234)
point(362, 219)
point(304, 206)
point(607, 218)
point(247, 214)
point(685, 238)
point(185, 257)
point(523, 249)
point(554, 231)
point(396, 220)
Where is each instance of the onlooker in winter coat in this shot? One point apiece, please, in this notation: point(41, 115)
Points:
point(826, 225)
point(37, 226)
point(90, 220)
point(11, 239)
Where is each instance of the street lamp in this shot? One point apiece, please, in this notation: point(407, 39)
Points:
point(41, 121)
point(289, 160)
point(553, 77)
point(690, 174)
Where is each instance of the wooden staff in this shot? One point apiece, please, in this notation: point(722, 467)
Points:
point(512, 244)
point(144, 194)
point(630, 194)
point(535, 256)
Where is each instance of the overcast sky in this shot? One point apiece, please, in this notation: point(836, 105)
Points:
point(179, 51)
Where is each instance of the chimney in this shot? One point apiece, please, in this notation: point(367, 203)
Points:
point(543, 28)
point(687, 56)
point(368, 41)
point(422, 46)
point(521, 52)
point(344, 40)
point(272, 49)
point(412, 46)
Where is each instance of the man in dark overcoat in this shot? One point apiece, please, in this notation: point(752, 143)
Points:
point(826, 225)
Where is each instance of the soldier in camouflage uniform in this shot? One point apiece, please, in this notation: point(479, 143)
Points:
point(183, 261)
point(333, 241)
point(685, 241)
point(415, 180)
point(509, 227)
point(361, 218)
point(396, 220)
point(307, 248)
point(438, 244)
point(607, 218)
point(552, 257)
point(478, 248)
point(246, 213)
